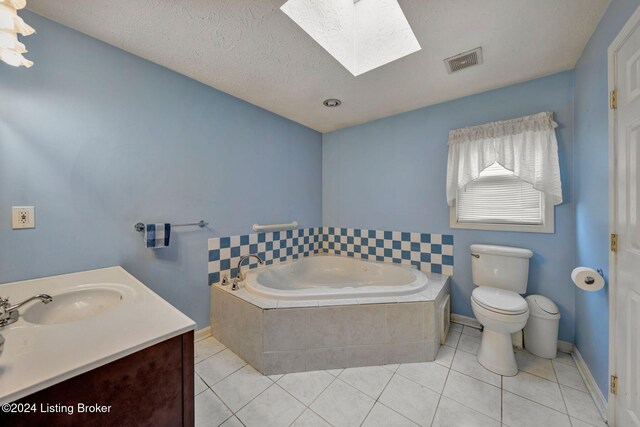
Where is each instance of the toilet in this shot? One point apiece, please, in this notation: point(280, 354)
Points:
point(500, 274)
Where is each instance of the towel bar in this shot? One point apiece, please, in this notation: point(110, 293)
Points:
point(140, 226)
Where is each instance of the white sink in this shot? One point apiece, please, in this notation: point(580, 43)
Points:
point(73, 306)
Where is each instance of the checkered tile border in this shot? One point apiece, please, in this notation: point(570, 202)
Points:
point(428, 252)
point(272, 247)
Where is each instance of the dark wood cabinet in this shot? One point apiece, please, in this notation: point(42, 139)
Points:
point(152, 387)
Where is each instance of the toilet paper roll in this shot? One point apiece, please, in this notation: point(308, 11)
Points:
point(587, 278)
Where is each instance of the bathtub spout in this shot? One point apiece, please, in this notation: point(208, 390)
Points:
point(240, 275)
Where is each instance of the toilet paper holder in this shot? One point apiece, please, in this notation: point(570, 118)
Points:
point(590, 280)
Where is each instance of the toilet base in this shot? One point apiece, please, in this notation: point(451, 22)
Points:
point(496, 353)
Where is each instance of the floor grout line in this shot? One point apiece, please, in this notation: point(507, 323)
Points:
point(323, 390)
point(232, 416)
point(318, 396)
point(377, 399)
point(254, 398)
point(389, 408)
point(537, 403)
point(472, 409)
point(539, 376)
point(296, 418)
point(320, 416)
point(211, 355)
point(481, 380)
point(564, 401)
point(239, 409)
point(443, 387)
point(221, 379)
point(220, 399)
point(424, 386)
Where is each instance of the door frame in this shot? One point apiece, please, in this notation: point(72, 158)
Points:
point(632, 24)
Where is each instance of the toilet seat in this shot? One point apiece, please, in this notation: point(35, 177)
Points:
point(499, 301)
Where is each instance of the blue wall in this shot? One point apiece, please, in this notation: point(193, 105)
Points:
point(592, 186)
point(390, 175)
point(98, 139)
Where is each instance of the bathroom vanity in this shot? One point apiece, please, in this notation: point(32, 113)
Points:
point(105, 351)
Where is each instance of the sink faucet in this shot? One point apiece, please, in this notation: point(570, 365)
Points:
point(9, 313)
point(240, 276)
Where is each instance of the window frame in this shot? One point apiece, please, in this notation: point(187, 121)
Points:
point(547, 226)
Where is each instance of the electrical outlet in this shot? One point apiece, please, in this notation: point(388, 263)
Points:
point(23, 217)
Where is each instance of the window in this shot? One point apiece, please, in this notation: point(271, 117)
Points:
point(498, 200)
point(505, 175)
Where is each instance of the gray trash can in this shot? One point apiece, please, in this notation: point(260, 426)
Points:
point(541, 331)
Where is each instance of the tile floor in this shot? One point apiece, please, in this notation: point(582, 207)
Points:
point(455, 390)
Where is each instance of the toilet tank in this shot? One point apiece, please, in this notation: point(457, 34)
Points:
point(501, 267)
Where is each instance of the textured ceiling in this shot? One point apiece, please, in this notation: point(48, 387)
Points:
point(252, 50)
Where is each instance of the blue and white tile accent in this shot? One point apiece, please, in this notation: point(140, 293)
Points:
point(427, 252)
point(272, 247)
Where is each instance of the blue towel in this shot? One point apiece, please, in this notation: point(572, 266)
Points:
point(157, 235)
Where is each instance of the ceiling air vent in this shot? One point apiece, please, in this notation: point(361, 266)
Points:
point(464, 60)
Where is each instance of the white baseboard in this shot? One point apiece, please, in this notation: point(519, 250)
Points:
point(465, 320)
point(592, 386)
point(563, 346)
point(202, 334)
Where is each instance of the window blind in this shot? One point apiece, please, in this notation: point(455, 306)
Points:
point(499, 197)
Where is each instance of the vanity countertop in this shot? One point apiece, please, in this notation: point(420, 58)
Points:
point(37, 356)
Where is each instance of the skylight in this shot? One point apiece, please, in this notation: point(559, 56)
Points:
point(361, 34)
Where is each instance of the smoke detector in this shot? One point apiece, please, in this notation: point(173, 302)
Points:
point(464, 60)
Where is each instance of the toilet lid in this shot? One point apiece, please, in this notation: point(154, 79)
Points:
point(499, 300)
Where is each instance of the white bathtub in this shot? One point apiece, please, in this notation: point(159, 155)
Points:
point(334, 277)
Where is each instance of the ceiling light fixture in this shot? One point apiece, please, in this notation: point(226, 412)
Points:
point(331, 102)
point(11, 25)
point(361, 35)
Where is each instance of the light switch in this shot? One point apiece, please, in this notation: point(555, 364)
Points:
point(23, 217)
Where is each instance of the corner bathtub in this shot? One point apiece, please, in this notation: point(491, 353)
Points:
point(332, 312)
point(334, 277)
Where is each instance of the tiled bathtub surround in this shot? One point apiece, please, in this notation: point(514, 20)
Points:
point(428, 252)
point(272, 247)
point(431, 253)
point(283, 340)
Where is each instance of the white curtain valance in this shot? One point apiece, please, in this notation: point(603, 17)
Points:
point(527, 146)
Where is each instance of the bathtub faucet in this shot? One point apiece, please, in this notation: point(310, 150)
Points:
point(240, 275)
